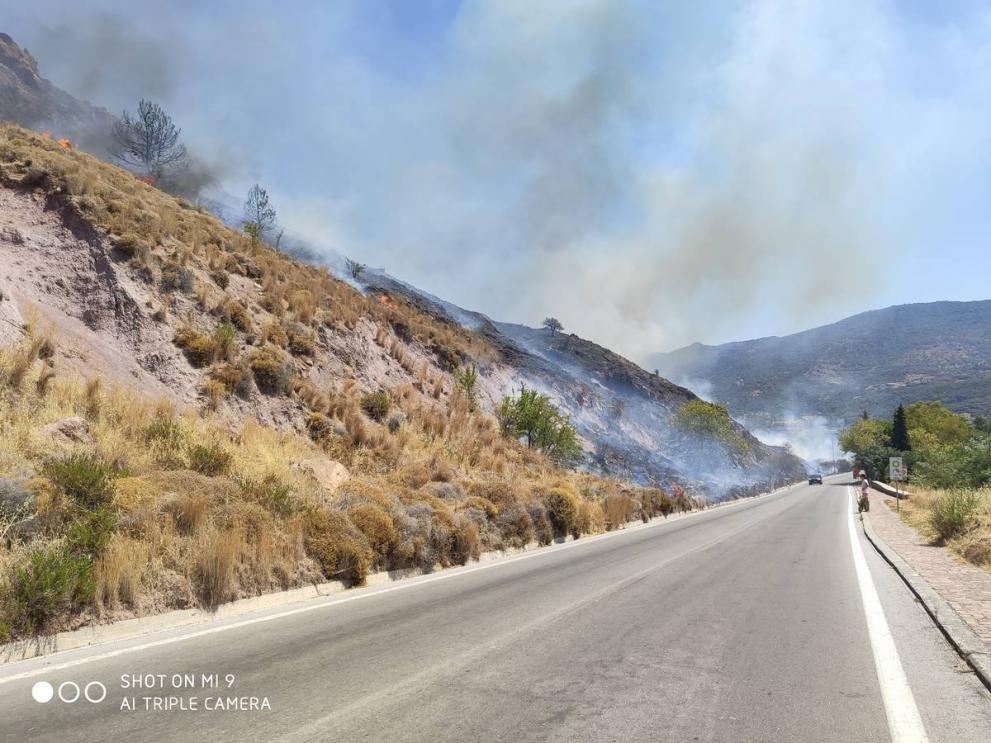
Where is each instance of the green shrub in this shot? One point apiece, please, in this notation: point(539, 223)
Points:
point(224, 339)
point(89, 534)
point(50, 584)
point(376, 405)
point(211, 460)
point(163, 429)
point(952, 512)
point(534, 419)
point(273, 494)
point(84, 478)
point(339, 548)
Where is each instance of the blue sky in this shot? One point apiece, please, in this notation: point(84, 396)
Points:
point(652, 173)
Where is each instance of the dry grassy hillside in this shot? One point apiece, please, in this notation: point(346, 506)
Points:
point(187, 416)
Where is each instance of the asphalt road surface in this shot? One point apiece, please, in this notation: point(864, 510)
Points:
point(745, 623)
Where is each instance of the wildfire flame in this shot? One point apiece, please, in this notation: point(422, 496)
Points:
point(385, 300)
point(65, 144)
point(46, 135)
point(148, 180)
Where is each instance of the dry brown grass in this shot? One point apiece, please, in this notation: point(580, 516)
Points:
point(434, 468)
point(119, 571)
point(973, 540)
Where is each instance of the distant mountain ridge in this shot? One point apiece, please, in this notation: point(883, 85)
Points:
point(871, 361)
point(28, 99)
point(623, 411)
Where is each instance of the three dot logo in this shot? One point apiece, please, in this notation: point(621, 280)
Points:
point(69, 692)
point(42, 692)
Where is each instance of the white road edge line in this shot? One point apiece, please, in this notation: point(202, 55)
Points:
point(904, 722)
point(333, 602)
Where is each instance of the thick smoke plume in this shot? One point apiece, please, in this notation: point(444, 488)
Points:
point(652, 173)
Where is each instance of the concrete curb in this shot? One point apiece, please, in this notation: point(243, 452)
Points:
point(964, 640)
point(127, 629)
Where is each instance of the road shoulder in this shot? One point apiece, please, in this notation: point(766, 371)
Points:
point(956, 596)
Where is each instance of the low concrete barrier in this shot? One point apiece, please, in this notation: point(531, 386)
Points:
point(887, 489)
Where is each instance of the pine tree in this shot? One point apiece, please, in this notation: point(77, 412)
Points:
point(899, 431)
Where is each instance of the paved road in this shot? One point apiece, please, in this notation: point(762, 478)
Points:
point(743, 623)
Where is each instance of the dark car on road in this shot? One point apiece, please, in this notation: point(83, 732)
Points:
point(815, 479)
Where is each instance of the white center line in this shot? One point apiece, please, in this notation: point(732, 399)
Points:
point(904, 722)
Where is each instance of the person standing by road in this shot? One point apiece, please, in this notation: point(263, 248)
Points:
point(864, 503)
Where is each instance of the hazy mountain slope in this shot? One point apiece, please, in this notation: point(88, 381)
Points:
point(621, 410)
point(28, 99)
point(117, 310)
point(872, 361)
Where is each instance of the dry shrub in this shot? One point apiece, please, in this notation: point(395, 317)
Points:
point(414, 475)
point(975, 548)
point(212, 459)
point(465, 542)
point(484, 505)
point(217, 554)
point(214, 391)
point(274, 333)
point(319, 426)
point(516, 527)
point(378, 528)
point(339, 548)
point(236, 313)
point(199, 348)
point(500, 492)
point(300, 341)
point(542, 528)
point(189, 512)
point(235, 377)
point(271, 369)
point(619, 508)
point(590, 519)
point(441, 469)
point(118, 572)
point(562, 508)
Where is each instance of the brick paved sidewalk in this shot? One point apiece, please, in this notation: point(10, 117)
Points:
point(966, 588)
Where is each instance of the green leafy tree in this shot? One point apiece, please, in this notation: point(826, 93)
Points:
point(868, 440)
point(932, 424)
point(534, 419)
point(899, 430)
point(708, 423)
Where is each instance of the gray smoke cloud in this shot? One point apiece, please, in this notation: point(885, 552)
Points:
point(652, 173)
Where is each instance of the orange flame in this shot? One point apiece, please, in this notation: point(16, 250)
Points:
point(384, 299)
point(46, 135)
point(65, 144)
point(148, 180)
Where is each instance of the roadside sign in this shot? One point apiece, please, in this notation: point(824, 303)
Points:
point(897, 471)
